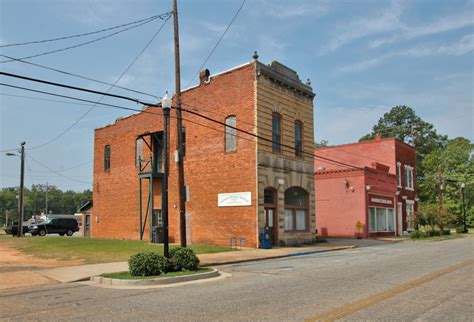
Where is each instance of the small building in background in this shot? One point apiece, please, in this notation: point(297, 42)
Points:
point(374, 197)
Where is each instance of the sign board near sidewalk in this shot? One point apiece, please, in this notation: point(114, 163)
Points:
point(235, 199)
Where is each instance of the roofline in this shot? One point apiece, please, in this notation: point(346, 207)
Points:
point(366, 142)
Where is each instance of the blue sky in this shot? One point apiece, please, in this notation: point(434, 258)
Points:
point(362, 57)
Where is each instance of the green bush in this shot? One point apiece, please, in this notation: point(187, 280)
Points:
point(147, 264)
point(432, 233)
point(416, 234)
point(446, 232)
point(460, 230)
point(183, 259)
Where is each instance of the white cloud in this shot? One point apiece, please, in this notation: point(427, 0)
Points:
point(291, 9)
point(381, 22)
point(463, 46)
point(445, 24)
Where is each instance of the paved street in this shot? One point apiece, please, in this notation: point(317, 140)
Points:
point(401, 281)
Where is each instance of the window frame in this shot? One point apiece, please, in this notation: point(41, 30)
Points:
point(229, 131)
point(107, 157)
point(399, 174)
point(293, 209)
point(410, 213)
point(299, 145)
point(276, 145)
point(375, 223)
point(409, 184)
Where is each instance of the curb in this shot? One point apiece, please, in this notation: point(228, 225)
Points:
point(155, 281)
point(279, 256)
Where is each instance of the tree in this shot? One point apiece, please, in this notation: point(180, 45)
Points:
point(402, 122)
point(321, 143)
point(445, 169)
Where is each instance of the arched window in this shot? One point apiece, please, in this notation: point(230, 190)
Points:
point(276, 132)
point(107, 158)
point(231, 133)
point(296, 209)
point(298, 139)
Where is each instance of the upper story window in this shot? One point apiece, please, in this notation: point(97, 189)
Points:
point(107, 158)
point(298, 139)
point(183, 130)
point(399, 174)
point(138, 151)
point(231, 134)
point(409, 177)
point(276, 132)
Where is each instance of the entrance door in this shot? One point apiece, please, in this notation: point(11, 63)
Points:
point(400, 220)
point(87, 226)
point(270, 223)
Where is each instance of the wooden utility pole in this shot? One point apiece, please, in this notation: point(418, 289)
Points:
point(179, 132)
point(21, 210)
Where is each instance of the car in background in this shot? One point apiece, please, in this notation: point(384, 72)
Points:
point(12, 228)
point(61, 226)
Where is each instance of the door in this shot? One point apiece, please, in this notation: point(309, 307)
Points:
point(270, 223)
point(87, 226)
point(399, 220)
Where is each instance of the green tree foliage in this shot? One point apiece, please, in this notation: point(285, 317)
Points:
point(402, 122)
point(59, 202)
point(446, 169)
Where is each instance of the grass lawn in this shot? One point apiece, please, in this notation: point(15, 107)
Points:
point(441, 237)
point(127, 276)
point(91, 250)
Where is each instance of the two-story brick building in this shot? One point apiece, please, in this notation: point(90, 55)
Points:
point(236, 183)
point(380, 192)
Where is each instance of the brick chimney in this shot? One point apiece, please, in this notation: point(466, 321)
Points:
point(204, 76)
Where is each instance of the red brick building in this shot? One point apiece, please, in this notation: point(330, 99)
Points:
point(236, 183)
point(381, 195)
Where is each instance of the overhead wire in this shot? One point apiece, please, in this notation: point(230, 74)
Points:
point(53, 171)
point(218, 42)
point(80, 44)
point(83, 34)
point(78, 76)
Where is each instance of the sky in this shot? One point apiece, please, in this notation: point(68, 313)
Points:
point(362, 57)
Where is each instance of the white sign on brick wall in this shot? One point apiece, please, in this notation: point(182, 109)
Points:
point(234, 199)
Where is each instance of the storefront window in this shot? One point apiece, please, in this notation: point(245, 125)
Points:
point(296, 209)
point(381, 219)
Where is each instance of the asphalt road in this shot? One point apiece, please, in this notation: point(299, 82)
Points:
point(404, 281)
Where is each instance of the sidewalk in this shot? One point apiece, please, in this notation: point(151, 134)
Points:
point(70, 274)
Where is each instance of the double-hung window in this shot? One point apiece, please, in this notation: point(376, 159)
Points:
point(107, 158)
point(409, 177)
point(276, 132)
point(298, 139)
point(399, 174)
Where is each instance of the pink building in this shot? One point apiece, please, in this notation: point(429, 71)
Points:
point(378, 199)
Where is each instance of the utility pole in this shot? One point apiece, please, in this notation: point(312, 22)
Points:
point(21, 210)
point(46, 210)
point(463, 185)
point(179, 132)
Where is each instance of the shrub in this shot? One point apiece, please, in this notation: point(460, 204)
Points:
point(417, 234)
point(183, 259)
point(147, 264)
point(460, 230)
point(446, 232)
point(432, 233)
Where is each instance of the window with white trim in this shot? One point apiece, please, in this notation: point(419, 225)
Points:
point(410, 210)
point(409, 177)
point(381, 219)
point(399, 174)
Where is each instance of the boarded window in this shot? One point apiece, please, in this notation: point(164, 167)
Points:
point(231, 134)
point(139, 151)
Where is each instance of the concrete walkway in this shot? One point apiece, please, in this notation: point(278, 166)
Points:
point(69, 274)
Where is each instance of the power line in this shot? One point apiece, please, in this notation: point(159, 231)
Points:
point(58, 173)
point(218, 42)
point(80, 44)
point(78, 76)
point(85, 34)
point(185, 110)
point(73, 167)
point(108, 91)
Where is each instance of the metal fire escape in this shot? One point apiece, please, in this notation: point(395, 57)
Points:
point(150, 169)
